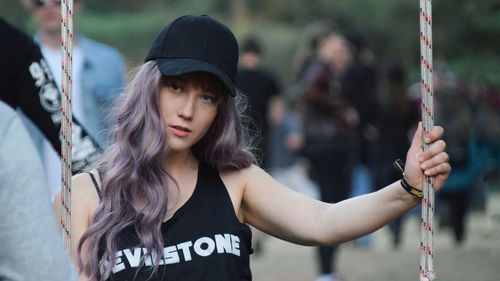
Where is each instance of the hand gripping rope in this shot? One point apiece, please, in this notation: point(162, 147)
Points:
point(427, 222)
point(66, 124)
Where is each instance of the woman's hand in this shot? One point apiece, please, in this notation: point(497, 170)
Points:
point(433, 161)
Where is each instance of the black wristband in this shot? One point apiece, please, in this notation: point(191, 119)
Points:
point(410, 189)
point(398, 164)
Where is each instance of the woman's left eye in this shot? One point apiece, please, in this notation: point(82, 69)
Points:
point(209, 98)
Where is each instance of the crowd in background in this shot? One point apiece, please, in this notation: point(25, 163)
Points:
point(336, 131)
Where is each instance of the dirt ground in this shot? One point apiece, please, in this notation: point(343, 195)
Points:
point(478, 259)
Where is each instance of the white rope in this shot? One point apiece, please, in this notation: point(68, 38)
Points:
point(66, 124)
point(427, 224)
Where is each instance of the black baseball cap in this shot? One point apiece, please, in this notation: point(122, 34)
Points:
point(197, 43)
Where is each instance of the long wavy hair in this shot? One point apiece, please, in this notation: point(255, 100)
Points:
point(134, 187)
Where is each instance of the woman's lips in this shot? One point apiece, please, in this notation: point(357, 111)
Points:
point(180, 131)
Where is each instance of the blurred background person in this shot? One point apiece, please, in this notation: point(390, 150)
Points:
point(285, 143)
point(401, 115)
point(27, 85)
point(453, 112)
point(484, 102)
point(359, 87)
point(329, 129)
point(259, 86)
point(98, 77)
point(31, 248)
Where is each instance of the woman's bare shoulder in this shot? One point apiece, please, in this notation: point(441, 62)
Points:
point(241, 177)
point(83, 192)
point(83, 184)
point(238, 173)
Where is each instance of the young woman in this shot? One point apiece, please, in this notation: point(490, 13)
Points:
point(172, 196)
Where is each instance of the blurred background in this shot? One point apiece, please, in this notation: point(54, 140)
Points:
point(466, 33)
point(466, 42)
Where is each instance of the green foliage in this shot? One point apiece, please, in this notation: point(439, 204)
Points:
point(129, 33)
point(14, 12)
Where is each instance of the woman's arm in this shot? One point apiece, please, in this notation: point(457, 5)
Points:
point(82, 210)
point(286, 214)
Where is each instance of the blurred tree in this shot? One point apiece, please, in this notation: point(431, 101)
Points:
point(14, 12)
point(469, 36)
point(121, 6)
point(239, 10)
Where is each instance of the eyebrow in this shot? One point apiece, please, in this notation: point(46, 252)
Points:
point(211, 89)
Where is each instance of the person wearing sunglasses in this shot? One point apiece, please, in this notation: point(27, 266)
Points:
point(98, 76)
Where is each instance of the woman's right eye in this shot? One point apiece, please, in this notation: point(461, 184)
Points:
point(174, 86)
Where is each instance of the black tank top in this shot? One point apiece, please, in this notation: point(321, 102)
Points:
point(204, 240)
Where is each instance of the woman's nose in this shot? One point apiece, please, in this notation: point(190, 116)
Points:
point(187, 107)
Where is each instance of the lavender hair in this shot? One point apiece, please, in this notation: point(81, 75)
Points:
point(133, 170)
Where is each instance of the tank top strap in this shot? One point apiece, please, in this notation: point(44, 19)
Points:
point(212, 194)
point(208, 176)
point(94, 181)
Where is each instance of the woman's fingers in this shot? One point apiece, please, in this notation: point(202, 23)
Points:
point(440, 173)
point(435, 134)
point(434, 158)
point(434, 137)
point(435, 165)
point(433, 150)
point(432, 162)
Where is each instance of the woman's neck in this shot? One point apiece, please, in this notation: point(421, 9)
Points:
point(179, 161)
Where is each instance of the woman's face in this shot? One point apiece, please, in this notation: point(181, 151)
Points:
point(188, 106)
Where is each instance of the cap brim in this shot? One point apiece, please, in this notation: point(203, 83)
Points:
point(179, 66)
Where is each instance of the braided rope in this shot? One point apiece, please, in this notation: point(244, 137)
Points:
point(427, 222)
point(66, 124)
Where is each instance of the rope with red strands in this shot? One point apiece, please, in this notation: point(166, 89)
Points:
point(66, 124)
point(427, 221)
